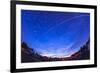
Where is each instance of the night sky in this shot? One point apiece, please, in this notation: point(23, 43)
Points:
point(55, 34)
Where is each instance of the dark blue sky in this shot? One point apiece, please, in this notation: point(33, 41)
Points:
point(55, 34)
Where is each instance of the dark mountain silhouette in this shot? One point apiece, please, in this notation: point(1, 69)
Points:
point(83, 53)
point(30, 55)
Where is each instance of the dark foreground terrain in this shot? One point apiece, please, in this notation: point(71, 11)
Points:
point(30, 55)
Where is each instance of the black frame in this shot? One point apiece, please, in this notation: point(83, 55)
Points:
point(13, 36)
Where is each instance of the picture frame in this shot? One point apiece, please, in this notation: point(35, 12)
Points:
point(17, 15)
